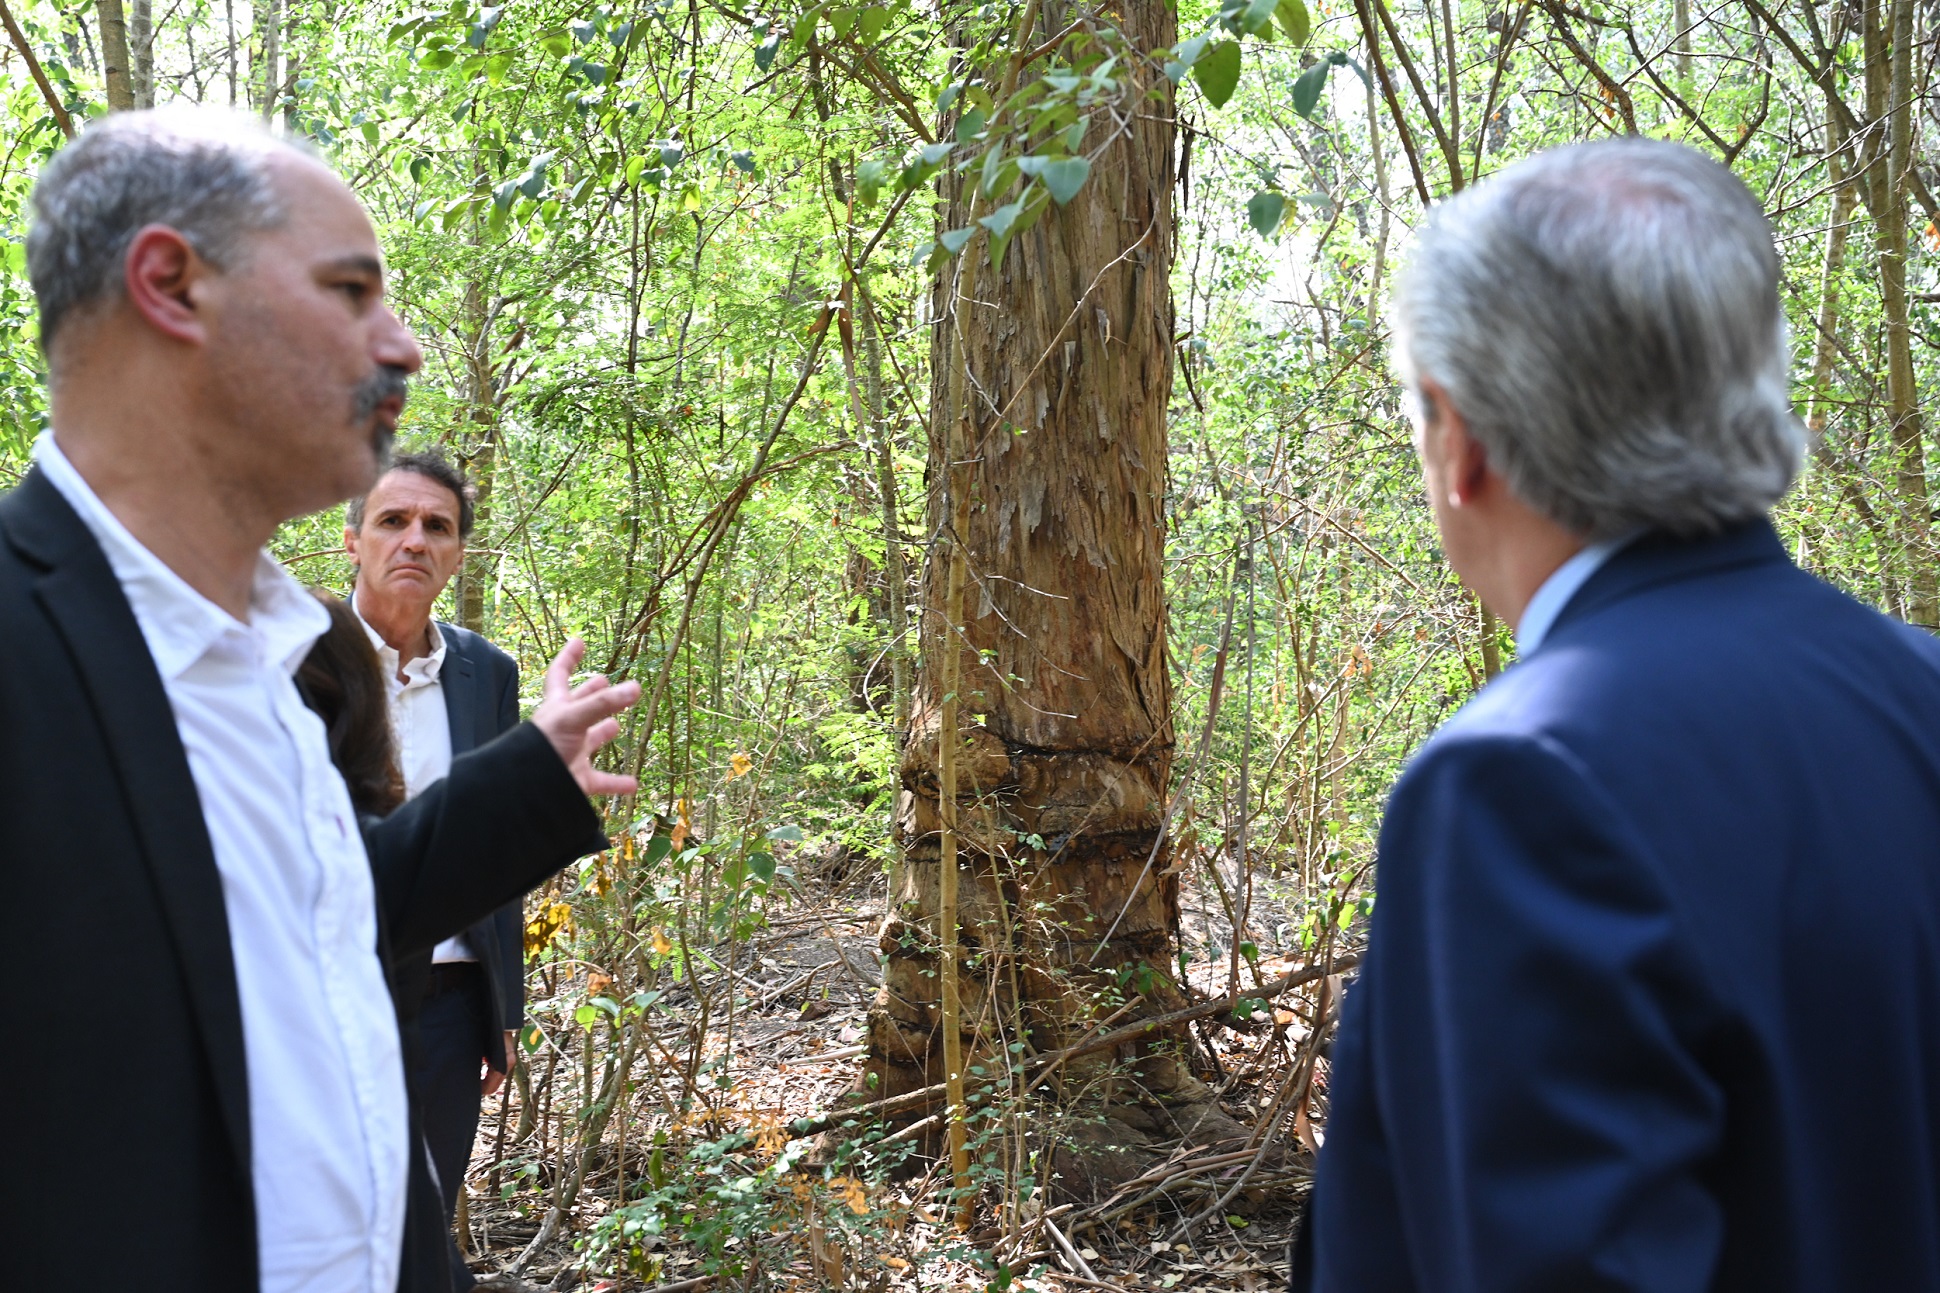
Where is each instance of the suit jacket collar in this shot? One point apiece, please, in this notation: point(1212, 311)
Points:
point(84, 601)
point(1657, 559)
point(459, 677)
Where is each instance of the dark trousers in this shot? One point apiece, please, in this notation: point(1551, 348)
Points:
point(452, 1028)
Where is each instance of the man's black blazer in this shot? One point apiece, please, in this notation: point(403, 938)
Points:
point(481, 690)
point(129, 1138)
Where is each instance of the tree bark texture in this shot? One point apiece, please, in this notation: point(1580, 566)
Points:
point(1051, 381)
point(114, 55)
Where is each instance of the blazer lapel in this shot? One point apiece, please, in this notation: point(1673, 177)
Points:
point(461, 693)
point(131, 710)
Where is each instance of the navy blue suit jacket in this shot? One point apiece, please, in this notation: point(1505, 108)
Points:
point(1652, 994)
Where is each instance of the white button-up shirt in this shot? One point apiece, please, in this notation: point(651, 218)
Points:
point(327, 1114)
point(421, 729)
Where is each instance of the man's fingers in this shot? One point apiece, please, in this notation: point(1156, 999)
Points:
point(559, 674)
point(595, 782)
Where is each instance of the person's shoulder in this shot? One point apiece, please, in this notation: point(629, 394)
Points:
point(475, 647)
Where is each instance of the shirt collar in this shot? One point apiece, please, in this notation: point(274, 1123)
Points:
point(424, 669)
point(1550, 599)
point(179, 623)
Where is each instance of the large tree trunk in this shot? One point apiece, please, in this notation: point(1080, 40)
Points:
point(1051, 378)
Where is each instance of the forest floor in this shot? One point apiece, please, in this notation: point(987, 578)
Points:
point(790, 1048)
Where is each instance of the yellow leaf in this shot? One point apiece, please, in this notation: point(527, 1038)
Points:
point(661, 944)
point(739, 766)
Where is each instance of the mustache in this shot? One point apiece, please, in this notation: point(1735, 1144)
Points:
point(389, 382)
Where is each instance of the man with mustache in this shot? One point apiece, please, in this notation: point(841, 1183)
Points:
point(215, 1099)
point(462, 1003)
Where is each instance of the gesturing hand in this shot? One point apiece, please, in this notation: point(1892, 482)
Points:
point(579, 720)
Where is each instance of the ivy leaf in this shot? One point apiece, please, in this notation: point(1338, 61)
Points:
point(584, 32)
point(1218, 72)
point(1295, 21)
point(1264, 211)
point(1065, 177)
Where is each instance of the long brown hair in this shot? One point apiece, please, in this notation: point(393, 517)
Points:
point(344, 684)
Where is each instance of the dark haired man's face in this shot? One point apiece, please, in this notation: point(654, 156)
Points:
point(307, 364)
point(408, 547)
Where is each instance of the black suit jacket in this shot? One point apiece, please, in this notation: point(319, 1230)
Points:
point(481, 690)
point(129, 1151)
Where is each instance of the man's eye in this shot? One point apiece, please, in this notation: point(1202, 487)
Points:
point(357, 292)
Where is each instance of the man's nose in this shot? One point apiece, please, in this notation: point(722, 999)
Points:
point(414, 537)
point(394, 344)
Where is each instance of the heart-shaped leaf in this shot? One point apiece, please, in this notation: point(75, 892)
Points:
point(1308, 85)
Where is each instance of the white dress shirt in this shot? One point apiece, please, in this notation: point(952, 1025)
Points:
point(1539, 617)
point(327, 1115)
point(422, 730)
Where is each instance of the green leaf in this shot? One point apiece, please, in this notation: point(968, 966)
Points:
point(1309, 84)
point(635, 168)
point(435, 60)
point(743, 161)
point(1000, 220)
point(868, 180)
point(871, 22)
point(786, 834)
point(1184, 55)
point(1264, 211)
point(764, 53)
point(1065, 177)
point(842, 20)
point(1218, 72)
point(657, 849)
point(933, 154)
point(584, 32)
point(993, 164)
point(762, 865)
point(955, 240)
point(970, 125)
point(1256, 16)
point(1295, 21)
point(670, 155)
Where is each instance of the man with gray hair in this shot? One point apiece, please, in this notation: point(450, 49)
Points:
point(1651, 999)
point(215, 1100)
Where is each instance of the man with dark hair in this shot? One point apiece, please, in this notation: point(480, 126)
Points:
point(450, 691)
point(1597, 1042)
point(221, 360)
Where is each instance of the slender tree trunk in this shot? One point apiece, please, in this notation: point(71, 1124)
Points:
point(1052, 376)
point(267, 19)
point(141, 52)
point(1889, 49)
point(114, 55)
point(481, 459)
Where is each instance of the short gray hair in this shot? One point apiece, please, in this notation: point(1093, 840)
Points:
point(1605, 317)
point(202, 172)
